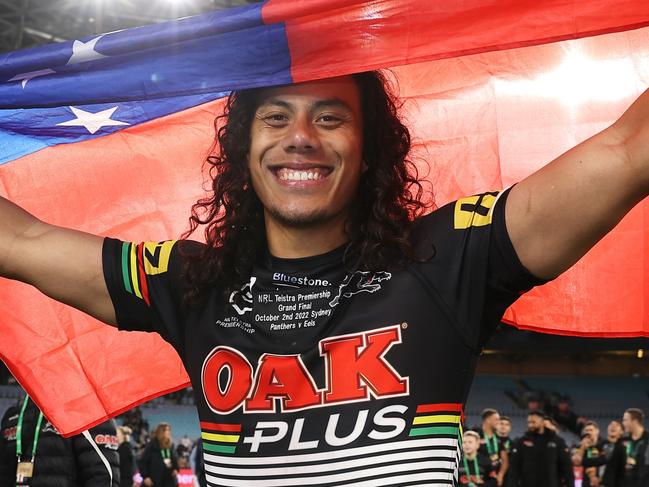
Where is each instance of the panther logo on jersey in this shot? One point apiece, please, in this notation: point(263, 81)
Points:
point(360, 282)
point(241, 300)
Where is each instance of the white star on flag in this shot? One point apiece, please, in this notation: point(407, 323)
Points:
point(93, 121)
point(85, 51)
point(25, 77)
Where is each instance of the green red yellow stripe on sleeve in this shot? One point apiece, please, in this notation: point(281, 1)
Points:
point(138, 261)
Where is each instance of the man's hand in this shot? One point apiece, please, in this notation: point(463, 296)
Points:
point(558, 213)
point(586, 442)
point(500, 479)
point(148, 482)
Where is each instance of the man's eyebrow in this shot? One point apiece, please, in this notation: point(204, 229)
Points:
point(325, 103)
point(333, 103)
point(275, 102)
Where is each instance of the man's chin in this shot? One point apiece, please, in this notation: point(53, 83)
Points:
point(300, 218)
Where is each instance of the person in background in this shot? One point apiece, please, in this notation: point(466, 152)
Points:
point(503, 430)
point(34, 454)
point(540, 458)
point(159, 463)
point(491, 446)
point(126, 456)
point(635, 444)
point(197, 464)
point(134, 419)
point(607, 459)
point(589, 454)
point(475, 467)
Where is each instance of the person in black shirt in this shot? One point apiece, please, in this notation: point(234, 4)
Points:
point(34, 454)
point(636, 447)
point(603, 460)
point(126, 456)
point(540, 458)
point(476, 468)
point(503, 431)
point(491, 445)
point(159, 462)
point(327, 320)
point(590, 455)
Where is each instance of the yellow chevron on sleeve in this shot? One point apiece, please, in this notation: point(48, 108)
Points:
point(156, 256)
point(474, 211)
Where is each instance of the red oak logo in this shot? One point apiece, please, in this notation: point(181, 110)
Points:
point(356, 369)
point(109, 440)
point(10, 433)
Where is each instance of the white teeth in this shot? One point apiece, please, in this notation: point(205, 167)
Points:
point(292, 175)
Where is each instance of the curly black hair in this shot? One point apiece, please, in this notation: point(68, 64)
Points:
point(388, 199)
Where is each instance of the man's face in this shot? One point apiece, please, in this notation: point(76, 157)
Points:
point(493, 420)
point(627, 422)
point(306, 150)
point(534, 423)
point(592, 432)
point(614, 429)
point(470, 444)
point(504, 427)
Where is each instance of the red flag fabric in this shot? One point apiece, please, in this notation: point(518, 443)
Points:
point(509, 104)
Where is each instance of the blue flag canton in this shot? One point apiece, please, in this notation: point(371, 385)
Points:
point(71, 91)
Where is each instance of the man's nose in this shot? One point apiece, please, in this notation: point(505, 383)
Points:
point(301, 136)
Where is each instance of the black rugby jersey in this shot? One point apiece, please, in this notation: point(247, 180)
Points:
point(313, 376)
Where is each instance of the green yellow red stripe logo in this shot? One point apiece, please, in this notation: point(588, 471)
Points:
point(437, 420)
point(142, 260)
point(220, 437)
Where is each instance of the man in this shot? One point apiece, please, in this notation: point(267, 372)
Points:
point(635, 443)
point(503, 431)
point(603, 460)
point(540, 458)
point(491, 445)
point(34, 454)
point(321, 325)
point(476, 468)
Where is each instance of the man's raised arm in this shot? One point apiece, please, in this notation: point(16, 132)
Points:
point(64, 264)
point(558, 213)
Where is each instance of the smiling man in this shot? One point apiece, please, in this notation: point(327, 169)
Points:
point(330, 330)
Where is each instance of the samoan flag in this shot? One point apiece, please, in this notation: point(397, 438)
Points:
point(107, 134)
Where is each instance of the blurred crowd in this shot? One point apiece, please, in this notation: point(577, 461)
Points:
point(617, 456)
point(559, 448)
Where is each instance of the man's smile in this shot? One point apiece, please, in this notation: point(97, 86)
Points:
point(301, 174)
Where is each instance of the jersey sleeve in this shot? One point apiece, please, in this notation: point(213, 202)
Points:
point(471, 264)
point(145, 286)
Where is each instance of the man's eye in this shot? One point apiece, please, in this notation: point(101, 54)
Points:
point(276, 118)
point(329, 119)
